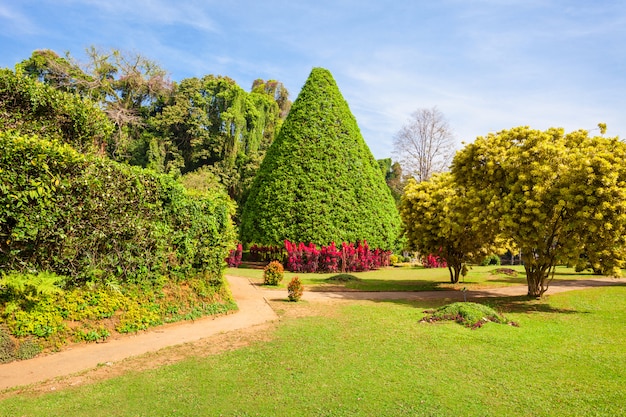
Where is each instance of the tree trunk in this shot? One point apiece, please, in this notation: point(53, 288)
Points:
point(455, 272)
point(536, 277)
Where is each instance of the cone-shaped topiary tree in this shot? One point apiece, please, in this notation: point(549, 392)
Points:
point(319, 182)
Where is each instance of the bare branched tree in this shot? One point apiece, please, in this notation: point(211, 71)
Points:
point(425, 145)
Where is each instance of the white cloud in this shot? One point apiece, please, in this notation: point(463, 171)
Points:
point(15, 23)
point(188, 13)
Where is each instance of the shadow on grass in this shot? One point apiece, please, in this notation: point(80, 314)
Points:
point(504, 305)
point(379, 285)
point(509, 280)
point(526, 305)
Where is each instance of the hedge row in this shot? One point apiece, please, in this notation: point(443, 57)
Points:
point(92, 219)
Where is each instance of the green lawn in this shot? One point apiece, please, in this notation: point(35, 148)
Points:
point(415, 278)
point(375, 359)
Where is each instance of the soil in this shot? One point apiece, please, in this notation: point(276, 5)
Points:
point(260, 310)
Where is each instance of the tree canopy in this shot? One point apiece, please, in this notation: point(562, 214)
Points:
point(319, 182)
point(435, 219)
point(558, 197)
point(166, 126)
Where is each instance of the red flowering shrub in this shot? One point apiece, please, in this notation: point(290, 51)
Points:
point(234, 257)
point(350, 258)
point(265, 253)
point(433, 261)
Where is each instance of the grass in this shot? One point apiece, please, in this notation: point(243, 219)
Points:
point(376, 359)
point(413, 278)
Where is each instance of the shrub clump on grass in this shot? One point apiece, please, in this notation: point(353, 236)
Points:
point(472, 315)
point(342, 278)
point(273, 273)
point(295, 289)
point(506, 271)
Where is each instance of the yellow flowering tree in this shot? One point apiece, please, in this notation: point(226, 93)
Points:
point(434, 214)
point(560, 198)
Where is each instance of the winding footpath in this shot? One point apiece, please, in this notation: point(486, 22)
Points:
point(253, 310)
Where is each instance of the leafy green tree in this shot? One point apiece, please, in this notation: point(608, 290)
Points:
point(392, 171)
point(276, 90)
point(62, 73)
point(319, 182)
point(29, 106)
point(212, 122)
point(557, 196)
point(434, 213)
point(124, 85)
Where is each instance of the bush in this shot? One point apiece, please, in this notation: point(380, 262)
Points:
point(491, 260)
point(92, 219)
point(11, 350)
point(471, 315)
point(319, 182)
point(234, 257)
point(295, 289)
point(273, 273)
point(7, 347)
point(308, 258)
point(433, 261)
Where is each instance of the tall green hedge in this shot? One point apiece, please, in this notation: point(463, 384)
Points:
point(93, 219)
point(319, 181)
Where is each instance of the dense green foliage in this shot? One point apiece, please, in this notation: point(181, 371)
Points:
point(92, 219)
point(319, 182)
point(558, 197)
point(31, 107)
point(435, 219)
point(211, 122)
point(207, 122)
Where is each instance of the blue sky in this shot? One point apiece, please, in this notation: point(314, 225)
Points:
point(487, 65)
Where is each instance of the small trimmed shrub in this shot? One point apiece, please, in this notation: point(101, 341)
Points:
point(273, 273)
point(28, 349)
point(295, 289)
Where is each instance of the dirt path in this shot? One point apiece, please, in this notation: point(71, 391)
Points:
point(254, 310)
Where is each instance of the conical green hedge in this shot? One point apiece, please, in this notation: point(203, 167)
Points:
point(319, 182)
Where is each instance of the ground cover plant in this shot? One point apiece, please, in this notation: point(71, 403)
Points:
point(566, 358)
point(38, 315)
